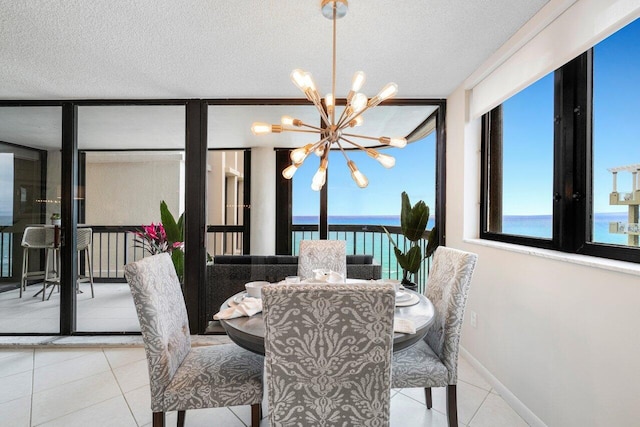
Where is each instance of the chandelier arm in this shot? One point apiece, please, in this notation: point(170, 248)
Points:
point(348, 120)
point(355, 144)
point(301, 130)
point(344, 111)
point(333, 73)
point(342, 151)
point(323, 113)
point(318, 144)
point(312, 127)
point(361, 136)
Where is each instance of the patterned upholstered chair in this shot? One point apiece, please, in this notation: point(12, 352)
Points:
point(327, 254)
point(328, 354)
point(433, 362)
point(182, 377)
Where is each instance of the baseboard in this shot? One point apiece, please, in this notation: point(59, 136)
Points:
point(522, 410)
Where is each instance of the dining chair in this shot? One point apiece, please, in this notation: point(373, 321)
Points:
point(36, 238)
point(328, 354)
point(325, 254)
point(182, 377)
point(433, 361)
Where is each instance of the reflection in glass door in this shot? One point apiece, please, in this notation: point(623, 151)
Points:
point(30, 200)
point(131, 159)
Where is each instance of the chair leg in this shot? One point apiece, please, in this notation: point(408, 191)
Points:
point(46, 273)
point(452, 406)
point(88, 252)
point(427, 397)
point(158, 419)
point(256, 410)
point(25, 268)
point(181, 415)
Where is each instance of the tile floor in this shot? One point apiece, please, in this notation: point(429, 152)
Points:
point(111, 310)
point(109, 386)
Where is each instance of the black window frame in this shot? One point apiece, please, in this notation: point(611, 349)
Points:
point(572, 169)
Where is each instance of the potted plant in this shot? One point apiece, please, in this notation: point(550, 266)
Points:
point(55, 219)
point(166, 236)
point(413, 223)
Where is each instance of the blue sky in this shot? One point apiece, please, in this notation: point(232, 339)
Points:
point(414, 173)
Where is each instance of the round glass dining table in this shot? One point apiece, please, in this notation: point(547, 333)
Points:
point(248, 332)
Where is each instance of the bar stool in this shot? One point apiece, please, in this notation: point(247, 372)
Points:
point(37, 238)
point(85, 237)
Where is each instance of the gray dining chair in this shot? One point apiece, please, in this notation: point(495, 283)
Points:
point(325, 254)
point(328, 354)
point(182, 377)
point(433, 362)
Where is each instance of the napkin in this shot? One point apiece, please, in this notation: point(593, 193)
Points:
point(247, 307)
point(405, 326)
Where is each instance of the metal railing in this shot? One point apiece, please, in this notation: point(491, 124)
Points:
point(113, 247)
point(369, 240)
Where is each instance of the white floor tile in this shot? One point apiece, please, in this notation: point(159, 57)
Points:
point(133, 375)
point(216, 416)
point(118, 357)
point(16, 413)
point(495, 412)
point(48, 356)
point(469, 399)
point(110, 413)
point(55, 402)
point(15, 386)
point(16, 362)
point(406, 411)
point(468, 374)
point(139, 401)
point(53, 375)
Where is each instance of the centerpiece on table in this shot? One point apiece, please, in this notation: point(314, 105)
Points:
point(165, 236)
point(413, 224)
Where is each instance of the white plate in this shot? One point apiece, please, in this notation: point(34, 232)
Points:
point(412, 301)
point(402, 296)
point(238, 298)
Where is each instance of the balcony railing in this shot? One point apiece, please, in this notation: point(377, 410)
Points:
point(113, 247)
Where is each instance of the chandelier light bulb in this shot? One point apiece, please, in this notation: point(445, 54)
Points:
point(357, 176)
point(260, 128)
point(385, 160)
point(321, 176)
point(358, 81)
point(358, 102)
point(330, 101)
point(299, 154)
point(290, 170)
point(290, 121)
point(390, 90)
point(298, 78)
point(394, 142)
point(319, 151)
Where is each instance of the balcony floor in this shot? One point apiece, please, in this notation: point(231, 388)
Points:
point(109, 385)
point(111, 310)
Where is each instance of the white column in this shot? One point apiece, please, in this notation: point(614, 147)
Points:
point(263, 201)
point(615, 182)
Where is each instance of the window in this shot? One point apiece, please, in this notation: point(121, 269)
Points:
point(561, 158)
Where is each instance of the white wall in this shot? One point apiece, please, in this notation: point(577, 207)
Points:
point(558, 333)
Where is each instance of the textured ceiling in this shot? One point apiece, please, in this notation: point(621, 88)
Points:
point(159, 49)
point(244, 48)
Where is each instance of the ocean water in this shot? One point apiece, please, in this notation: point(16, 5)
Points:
point(379, 246)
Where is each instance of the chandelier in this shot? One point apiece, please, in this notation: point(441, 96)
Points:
point(334, 131)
